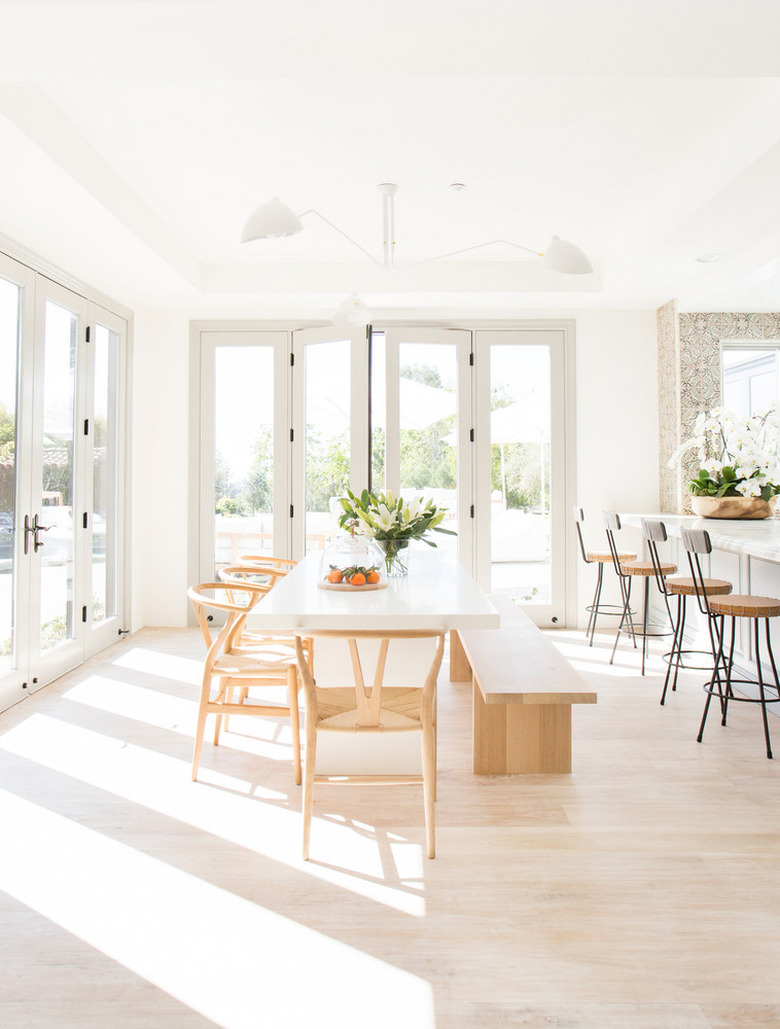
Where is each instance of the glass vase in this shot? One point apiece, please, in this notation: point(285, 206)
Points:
point(396, 554)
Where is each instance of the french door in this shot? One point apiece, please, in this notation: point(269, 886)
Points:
point(525, 462)
point(478, 420)
point(61, 456)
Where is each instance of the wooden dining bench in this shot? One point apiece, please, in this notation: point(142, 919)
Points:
point(523, 692)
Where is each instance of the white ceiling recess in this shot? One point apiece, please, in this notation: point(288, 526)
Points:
point(137, 136)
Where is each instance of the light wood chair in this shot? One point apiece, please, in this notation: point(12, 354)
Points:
point(378, 708)
point(599, 558)
point(644, 571)
point(232, 669)
point(717, 609)
point(274, 568)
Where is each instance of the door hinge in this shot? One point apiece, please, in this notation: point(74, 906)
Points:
point(471, 511)
point(471, 435)
point(87, 335)
point(471, 358)
point(292, 511)
point(86, 426)
point(292, 358)
point(85, 520)
point(292, 435)
point(84, 613)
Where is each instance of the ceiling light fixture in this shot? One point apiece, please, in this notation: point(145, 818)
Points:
point(275, 220)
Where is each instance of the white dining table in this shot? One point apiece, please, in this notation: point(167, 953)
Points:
point(437, 593)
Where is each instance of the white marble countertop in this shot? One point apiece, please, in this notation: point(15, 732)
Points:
point(757, 538)
point(435, 594)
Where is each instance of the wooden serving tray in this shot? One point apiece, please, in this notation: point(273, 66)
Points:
point(346, 587)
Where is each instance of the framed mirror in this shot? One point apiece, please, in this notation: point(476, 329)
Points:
point(750, 375)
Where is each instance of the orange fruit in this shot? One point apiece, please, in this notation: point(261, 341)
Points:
point(358, 579)
point(373, 576)
point(334, 575)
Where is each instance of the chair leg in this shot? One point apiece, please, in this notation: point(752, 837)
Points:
point(308, 781)
point(645, 605)
point(761, 683)
point(728, 693)
point(590, 632)
point(429, 786)
point(626, 591)
point(717, 632)
point(295, 722)
point(201, 725)
point(675, 655)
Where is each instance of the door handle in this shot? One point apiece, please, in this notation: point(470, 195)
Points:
point(32, 529)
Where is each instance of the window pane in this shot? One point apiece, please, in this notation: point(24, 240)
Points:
point(520, 472)
point(104, 493)
point(59, 379)
point(9, 362)
point(244, 458)
point(428, 398)
point(327, 372)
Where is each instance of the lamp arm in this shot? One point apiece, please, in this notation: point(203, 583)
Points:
point(478, 246)
point(341, 233)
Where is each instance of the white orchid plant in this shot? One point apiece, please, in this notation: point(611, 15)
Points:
point(738, 456)
point(382, 516)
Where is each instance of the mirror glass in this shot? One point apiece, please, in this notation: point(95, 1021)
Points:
point(749, 377)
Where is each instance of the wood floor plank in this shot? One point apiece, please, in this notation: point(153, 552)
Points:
point(640, 891)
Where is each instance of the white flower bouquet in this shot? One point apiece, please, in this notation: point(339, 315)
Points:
point(738, 456)
point(392, 521)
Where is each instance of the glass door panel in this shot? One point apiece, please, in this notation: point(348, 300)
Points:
point(425, 423)
point(244, 496)
point(330, 433)
point(522, 468)
point(10, 339)
point(57, 552)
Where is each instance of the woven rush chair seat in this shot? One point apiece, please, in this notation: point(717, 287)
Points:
point(686, 587)
point(647, 568)
point(605, 556)
point(743, 606)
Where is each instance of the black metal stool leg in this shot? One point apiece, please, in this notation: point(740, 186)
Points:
point(626, 591)
point(675, 655)
point(591, 630)
point(710, 687)
point(761, 682)
point(644, 621)
point(729, 691)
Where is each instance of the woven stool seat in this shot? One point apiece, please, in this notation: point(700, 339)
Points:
point(687, 587)
point(605, 556)
point(742, 606)
point(646, 568)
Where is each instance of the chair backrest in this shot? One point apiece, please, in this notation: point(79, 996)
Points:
point(368, 697)
point(579, 518)
point(612, 525)
point(234, 600)
point(247, 574)
point(653, 533)
point(697, 544)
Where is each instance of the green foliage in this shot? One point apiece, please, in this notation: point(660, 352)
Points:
point(258, 493)
point(382, 516)
point(327, 469)
point(229, 506)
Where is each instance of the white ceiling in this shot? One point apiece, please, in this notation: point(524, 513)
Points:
point(136, 137)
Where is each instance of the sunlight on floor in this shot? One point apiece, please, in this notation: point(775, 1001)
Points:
point(235, 810)
point(237, 963)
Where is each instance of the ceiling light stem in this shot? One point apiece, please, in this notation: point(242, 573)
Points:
point(342, 233)
point(388, 228)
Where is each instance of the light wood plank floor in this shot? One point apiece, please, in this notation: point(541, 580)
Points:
point(641, 892)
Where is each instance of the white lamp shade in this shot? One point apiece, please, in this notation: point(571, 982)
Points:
point(562, 256)
point(272, 220)
point(351, 313)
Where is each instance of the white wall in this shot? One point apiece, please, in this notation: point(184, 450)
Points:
point(617, 443)
point(617, 428)
point(160, 452)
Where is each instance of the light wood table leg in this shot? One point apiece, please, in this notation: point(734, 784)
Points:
point(460, 669)
point(513, 739)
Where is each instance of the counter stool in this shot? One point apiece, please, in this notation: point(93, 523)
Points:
point(627, 571)
point(757, 609)
point(654, 533)
point(599, 558)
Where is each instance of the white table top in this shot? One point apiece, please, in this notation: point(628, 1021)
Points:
point(755, 538)
point(435, 594)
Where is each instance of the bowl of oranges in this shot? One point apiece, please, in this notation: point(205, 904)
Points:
point(352, 563)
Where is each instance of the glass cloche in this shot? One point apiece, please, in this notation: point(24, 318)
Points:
point(352, 563)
